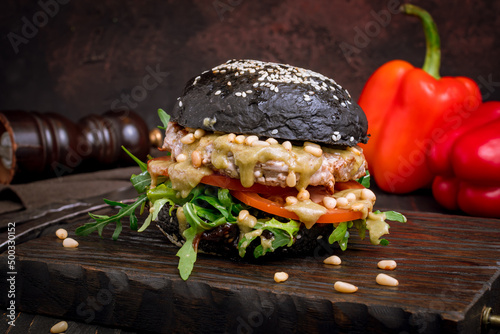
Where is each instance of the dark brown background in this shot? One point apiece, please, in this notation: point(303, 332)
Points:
point(91, 54)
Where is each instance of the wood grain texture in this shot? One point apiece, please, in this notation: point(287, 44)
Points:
point(448, 269)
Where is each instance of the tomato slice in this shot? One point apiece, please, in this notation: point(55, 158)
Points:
point(277, 208)
point(225, 182)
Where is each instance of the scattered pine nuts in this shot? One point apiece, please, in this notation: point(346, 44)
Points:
point(62, 233)
point(280, 277)
point(334, 259)
point(287, 145)
point(303, 195)
point(272, 141)
point(329, 202)
point(387, 280)
point(231, 137)
point(188, 139)
point(70, 243)
point(291, 179)
point(60, 327)
point(196, 158)
point(345, 287)
point(181, 157)
point(387, 264)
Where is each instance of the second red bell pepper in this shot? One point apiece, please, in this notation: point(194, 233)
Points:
point(408, 109)
point(467, 163)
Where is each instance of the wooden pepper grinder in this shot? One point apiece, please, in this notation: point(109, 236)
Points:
point(35, 145)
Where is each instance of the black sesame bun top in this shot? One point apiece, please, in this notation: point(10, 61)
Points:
point(271, 100)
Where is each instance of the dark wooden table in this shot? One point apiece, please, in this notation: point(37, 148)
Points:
point(448, 269)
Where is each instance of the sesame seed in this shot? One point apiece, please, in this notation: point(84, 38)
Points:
point(217, 92)
point(256, 84)
point(274, 131)
point(335, 97)
point(180, 104)
point(351, 139)
point(229, 83)
point(343, 104)
point(249, 91)
point(336, 132)
point(237, 93)
point(244, 94)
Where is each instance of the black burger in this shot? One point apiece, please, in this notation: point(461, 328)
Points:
point(263, 158)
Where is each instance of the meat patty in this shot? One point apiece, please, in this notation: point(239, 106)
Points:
point(336, 166)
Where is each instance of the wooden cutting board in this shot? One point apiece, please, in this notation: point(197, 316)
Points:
point(448, 270)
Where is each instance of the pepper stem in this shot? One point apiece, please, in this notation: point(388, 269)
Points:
point(432, 42)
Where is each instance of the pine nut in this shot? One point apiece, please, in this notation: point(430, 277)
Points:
point(287, 145)
point(243, 215)
point(199, 133)
point(345, 287)
point(387, 264)
point(280, 277)
point(357, 207)
point(70, 243)
point(291, 179)
point(188, 129)
point(334, 259)
point(62, 233)
point(387, 280)
point(342, 202)
point(351, 197)
point(188, 139)
point(60, 327)
point(250, 139)
point(196, 158)
point(239, 139)
point(291, 200)
point(329, 202)
point(313, 149)
point(272, 141)
point(231, 137)
point(303, 195)
point(181, 157)
point(368, 194)
point(260, 143)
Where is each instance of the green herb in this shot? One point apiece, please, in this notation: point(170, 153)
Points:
point(164, 117)
point(394, 216)
point(102, 221)
point(341, 235)
point(365, 180)
point(284, 234)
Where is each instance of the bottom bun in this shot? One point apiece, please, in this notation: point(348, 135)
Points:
point(223, 240)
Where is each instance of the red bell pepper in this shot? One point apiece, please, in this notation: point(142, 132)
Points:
point(408, 109)
point(467, 163)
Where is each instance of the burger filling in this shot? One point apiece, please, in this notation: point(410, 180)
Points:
point(267, 162)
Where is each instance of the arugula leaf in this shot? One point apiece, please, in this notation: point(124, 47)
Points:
point(141, 182)
point(365, 180)
point(102, 221)
point(142, 165)
point(340, 235)
point(281, 238)
point(187, 253)
point(282, 232)
point(395, 216)
point(164, 117)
